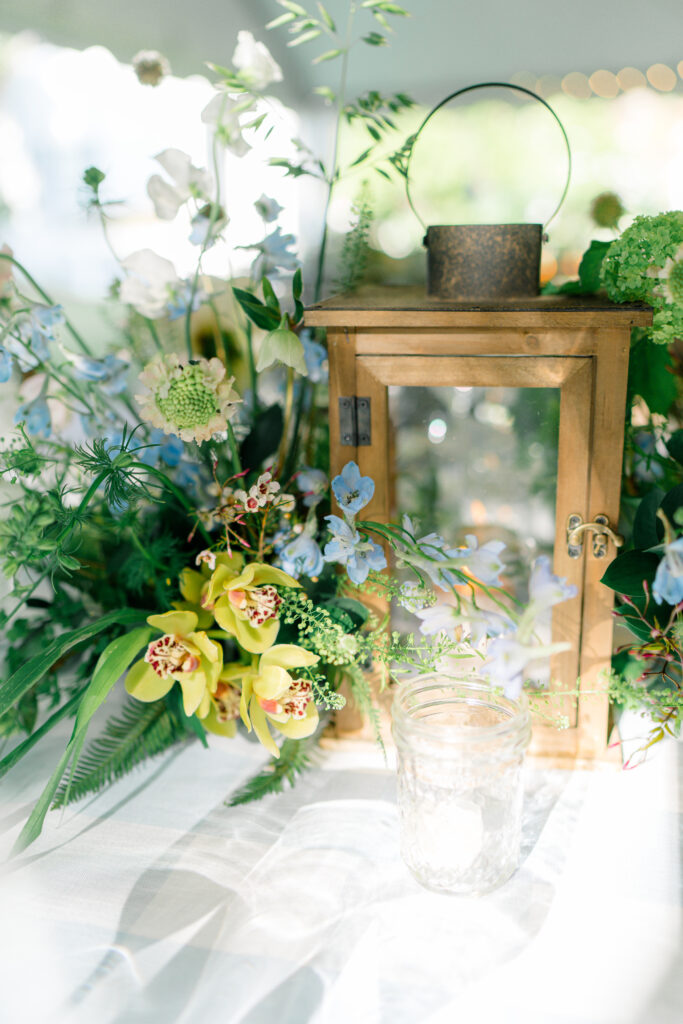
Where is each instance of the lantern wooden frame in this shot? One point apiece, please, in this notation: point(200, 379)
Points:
point(383, 337)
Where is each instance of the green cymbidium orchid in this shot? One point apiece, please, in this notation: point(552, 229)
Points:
point(245, 604)
point(271, 694)
point(184, 655)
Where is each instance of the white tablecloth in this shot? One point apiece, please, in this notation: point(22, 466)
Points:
point(154, 902)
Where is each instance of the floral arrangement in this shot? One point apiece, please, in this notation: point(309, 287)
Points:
point(170, 519)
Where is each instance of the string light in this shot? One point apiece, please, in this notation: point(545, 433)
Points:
point(661, 77)
point(604, 84)
point(631, 78)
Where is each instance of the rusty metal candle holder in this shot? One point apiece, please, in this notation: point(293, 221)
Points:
point(485, 261)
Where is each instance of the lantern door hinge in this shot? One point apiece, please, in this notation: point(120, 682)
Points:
point(601, 530)
point(354, 421)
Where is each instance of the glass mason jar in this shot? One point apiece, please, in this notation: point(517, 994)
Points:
point(460, 753)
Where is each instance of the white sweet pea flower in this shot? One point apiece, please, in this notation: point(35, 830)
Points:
point(188, 181)
point(222, 113)
point(150, 284)
point(255, 63)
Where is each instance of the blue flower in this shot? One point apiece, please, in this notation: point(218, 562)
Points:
point(110, 372)
point(178, 305)
point(668, 582)
point(348, 548)
point(352, 491)
point(312, 483)
point(36, 416)
point(316, 360)
point(38, 329)
point(6, 364)
point(302, 557)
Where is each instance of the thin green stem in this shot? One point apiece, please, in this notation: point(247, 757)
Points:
point(155, 334)
point(43, 294)
point(177, 493)
point(232, 442)
point(289, 402)
point(333, 174)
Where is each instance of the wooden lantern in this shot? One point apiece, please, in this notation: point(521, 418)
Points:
point(579, 345)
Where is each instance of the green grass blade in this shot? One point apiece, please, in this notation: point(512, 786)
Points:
point(34, 670)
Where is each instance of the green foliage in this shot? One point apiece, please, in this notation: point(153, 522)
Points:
point(258, 312)
point(263, 439)
point(296, 756)
point(647, 243)
point(354, 256)
point(628, 571)
point(650, 374)
point(112, 663)
point(137, 733)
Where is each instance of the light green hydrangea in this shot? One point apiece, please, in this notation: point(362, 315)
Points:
point(646, 264)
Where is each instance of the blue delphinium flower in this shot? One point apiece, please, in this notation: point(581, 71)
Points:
point(302, 557)
point(109, 372)
point(348, 548)
point(316, 359)
point(38, 329)
point(6, 364)
point(352, 491)
point(36, 416)
point(668, 581)
point(312, 483)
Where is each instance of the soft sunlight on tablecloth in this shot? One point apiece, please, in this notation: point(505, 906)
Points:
point(156, 903)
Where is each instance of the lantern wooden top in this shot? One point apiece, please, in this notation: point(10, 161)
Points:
point(412, 307)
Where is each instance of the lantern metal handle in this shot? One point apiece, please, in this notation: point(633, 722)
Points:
point(600, 529)
point(489, 85)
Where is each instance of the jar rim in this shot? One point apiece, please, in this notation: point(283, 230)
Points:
point(516, 709)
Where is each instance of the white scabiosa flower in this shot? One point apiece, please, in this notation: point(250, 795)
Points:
point(193, 399)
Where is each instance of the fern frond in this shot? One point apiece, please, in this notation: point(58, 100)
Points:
point(354, 255)
point(361, 692)
point(295, 758)
point(139, 732)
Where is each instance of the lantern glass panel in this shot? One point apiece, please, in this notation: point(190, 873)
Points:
point(479, 460)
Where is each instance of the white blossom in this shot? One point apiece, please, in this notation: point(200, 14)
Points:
point(187, 181)
point(255, 63)
point(150, 283)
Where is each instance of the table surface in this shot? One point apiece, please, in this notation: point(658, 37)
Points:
point(155, 902)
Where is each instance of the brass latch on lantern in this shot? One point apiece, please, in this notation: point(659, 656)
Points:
point(601, 531)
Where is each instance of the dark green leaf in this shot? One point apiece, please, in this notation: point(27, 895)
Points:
point(650, 376)
point(264, 438)
point(265, 318)
point(672, 501)
point(628, 570)
point(297, 284)
point(271, 298)
point(675, 446)
point(34, 670)
point(358, 612)
point(375, 39)
point(647, 529)
point(589, 269)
